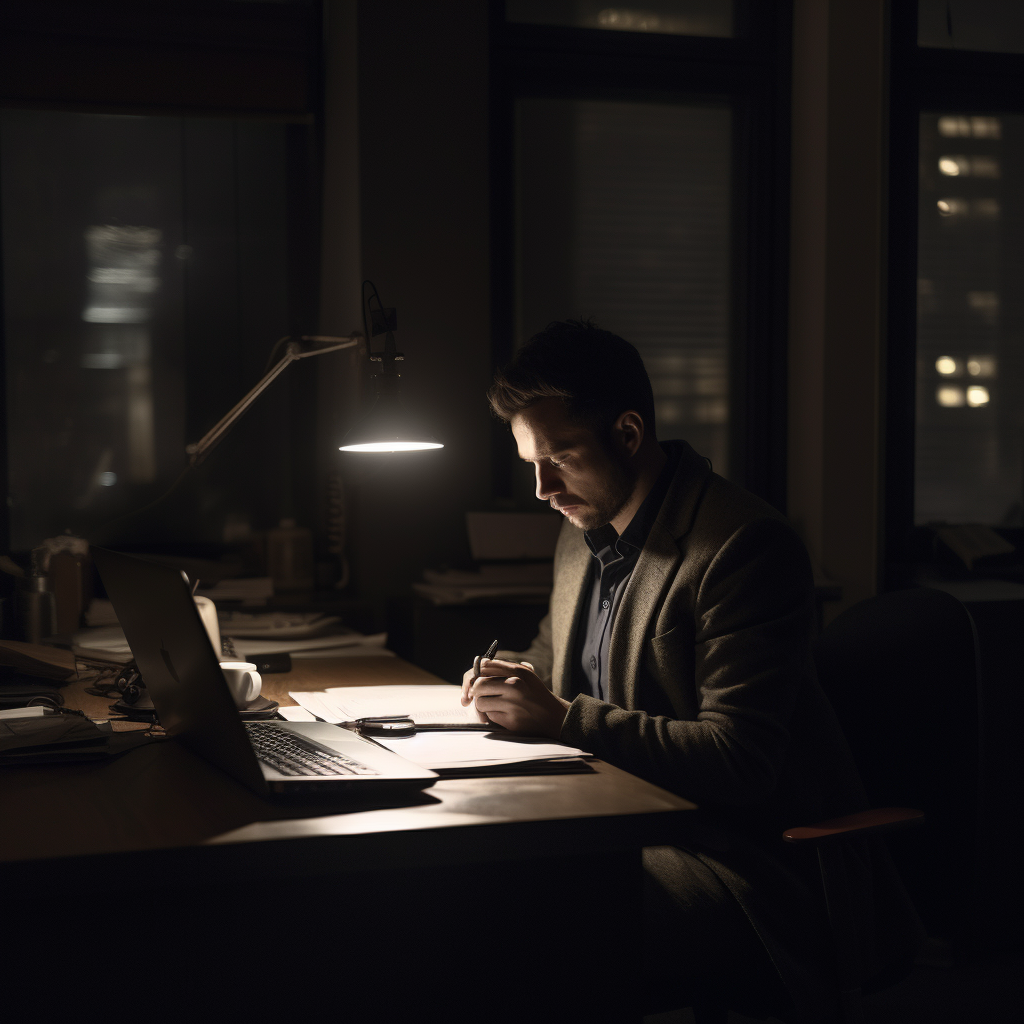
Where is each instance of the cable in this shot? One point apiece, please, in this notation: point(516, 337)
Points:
point(366, 306)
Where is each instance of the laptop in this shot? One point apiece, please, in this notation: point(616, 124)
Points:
point(182, 674)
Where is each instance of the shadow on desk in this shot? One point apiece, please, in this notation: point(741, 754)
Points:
point(156, 888)
point(166, 892)
point(161, 795)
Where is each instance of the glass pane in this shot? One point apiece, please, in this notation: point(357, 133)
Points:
point(970, 366)
point(993, 25)
point(624, 216)
point(139, 253)
point(667, 17)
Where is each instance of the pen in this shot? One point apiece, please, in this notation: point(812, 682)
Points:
point(491, 651)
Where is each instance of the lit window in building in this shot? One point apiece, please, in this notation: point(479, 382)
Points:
point(977, 395)
point(950, 398)
point(981, 366)
point(969, 166)
point(946, 366)
point(970, 127)
point(952, 207)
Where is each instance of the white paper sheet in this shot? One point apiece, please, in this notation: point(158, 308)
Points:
point(432, 704)
point(452, 749)
point(317, 704)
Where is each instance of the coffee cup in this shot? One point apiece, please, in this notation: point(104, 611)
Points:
point(243, 681)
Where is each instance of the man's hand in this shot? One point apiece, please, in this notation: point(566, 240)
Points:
point(511, 695)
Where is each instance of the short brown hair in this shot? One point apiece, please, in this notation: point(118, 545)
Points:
point(597, 374)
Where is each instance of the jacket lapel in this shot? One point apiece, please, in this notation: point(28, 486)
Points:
point(573, 562)
point(651, 576)
point(655, 569)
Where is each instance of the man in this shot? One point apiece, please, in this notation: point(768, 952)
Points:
point(677, 647)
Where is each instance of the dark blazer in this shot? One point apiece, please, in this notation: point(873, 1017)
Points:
point(712, 695)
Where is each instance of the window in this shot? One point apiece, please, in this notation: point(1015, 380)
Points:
point(955, 435)
point(624, 215)
point(158, 236)
point(996, 26)
point(641, 176)
point(969, 444)
point(146, 277)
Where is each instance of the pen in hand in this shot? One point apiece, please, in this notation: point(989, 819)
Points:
point(491, 651)
point(467, 685)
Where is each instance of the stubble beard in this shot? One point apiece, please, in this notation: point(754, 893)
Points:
point(601, 510)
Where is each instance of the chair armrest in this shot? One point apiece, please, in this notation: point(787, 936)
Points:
point(882, 819)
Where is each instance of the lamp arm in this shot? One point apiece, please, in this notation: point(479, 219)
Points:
point(200, 449)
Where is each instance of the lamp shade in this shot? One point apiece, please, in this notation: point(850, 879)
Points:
point(388, 427)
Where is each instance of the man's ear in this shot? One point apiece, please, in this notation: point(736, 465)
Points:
point(629, 430)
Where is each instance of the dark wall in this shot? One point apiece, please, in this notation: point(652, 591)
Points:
point(425, 243)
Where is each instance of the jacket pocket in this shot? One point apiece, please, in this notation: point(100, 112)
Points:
point(667, 637)
point(668, 661)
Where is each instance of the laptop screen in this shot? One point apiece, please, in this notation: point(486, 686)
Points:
point(178, 664)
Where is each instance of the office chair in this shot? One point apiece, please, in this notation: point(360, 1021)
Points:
point(901, 672)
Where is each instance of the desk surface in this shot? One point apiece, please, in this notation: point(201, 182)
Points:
point(162, 800)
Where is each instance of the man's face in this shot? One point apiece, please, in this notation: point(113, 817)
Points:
point(576, 474)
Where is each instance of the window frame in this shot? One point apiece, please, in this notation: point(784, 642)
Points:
point(921, 79)
point(750, 72)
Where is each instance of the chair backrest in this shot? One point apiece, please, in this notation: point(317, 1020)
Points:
point(901, 671)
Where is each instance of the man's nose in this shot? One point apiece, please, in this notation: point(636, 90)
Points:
point(548, 482)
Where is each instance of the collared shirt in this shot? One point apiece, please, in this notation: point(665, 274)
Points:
point(614, 557)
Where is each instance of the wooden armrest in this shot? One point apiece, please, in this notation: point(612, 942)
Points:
point(882, 819)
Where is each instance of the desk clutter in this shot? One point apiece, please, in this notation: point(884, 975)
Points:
point(38, 735)
point(448, 738)
point(252, 635)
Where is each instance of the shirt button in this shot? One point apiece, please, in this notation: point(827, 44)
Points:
point(605, 603)
point(593, 661)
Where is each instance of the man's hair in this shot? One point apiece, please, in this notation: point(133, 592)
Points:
point(597, 374)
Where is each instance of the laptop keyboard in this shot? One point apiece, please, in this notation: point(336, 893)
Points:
point(291, 755)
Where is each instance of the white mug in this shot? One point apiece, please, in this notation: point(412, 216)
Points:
point(243, 681)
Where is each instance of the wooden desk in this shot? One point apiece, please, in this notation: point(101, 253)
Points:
point(500, 899)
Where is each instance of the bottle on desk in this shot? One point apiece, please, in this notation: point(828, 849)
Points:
point(38, 609)
point(290, 556)
point(70, 577)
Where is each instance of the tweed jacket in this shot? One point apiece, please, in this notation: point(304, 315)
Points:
point(712, 695)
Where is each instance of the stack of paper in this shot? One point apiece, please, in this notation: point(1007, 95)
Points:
point(343, 645)
point(439, 704)
point(448, 752)
point(108, 643)
point(458, 744)
point(278, 625)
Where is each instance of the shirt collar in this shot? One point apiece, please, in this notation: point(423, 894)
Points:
point(634, 536)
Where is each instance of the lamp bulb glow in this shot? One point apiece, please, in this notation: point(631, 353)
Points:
point(391, 446)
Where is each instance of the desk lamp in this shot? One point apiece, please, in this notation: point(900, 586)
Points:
point(387, 428)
